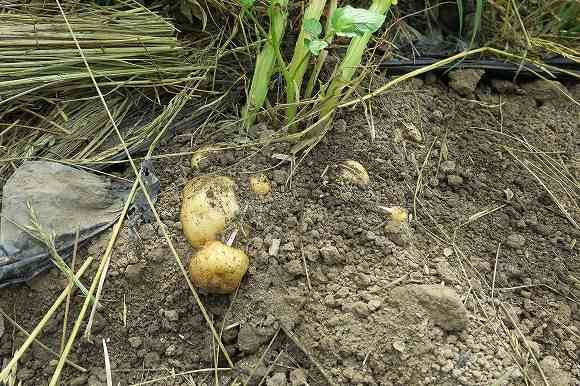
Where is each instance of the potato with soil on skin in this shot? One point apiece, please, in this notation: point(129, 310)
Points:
point(260, 184)
point(217, 268)
point(208, 204)
point(353, 172)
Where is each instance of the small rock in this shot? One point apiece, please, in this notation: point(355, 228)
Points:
point(294, 267)
point(412, 133)
point(135, 341)
point(147, 232)
point(454, 180)
point(374, 304)
point(173, 350)
point(298, 377)
point(278, 379)
point(249, 340)
point(134, 272)
point(361, 309)
point(515, 241)
point(503, 86)
point(400, 346)
point(465, 81)
point(330, 254)
point(151, 360)
point(171, 315)
point(274, 247)
point(158, 254)
point(446, 272)
point(399, 233)
point(288, 247)
point(442, 304)
point(563, 314)
point(447, 167)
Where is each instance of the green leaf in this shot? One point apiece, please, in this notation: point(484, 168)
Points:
point(312, 28)
point(316, 45)
point(351, 22)
point(247, 4)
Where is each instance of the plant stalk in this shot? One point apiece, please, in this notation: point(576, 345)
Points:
point(300, 59)
point(265, 62)
point(347, 68)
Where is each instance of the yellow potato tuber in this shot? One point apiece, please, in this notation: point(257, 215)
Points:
point(353, 172)
point(208, 204)
point(217, 268)
point(260, 184)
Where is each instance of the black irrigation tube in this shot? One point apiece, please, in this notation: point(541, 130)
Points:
point(493, 67)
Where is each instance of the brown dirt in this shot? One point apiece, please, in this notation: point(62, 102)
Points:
point(408, 307)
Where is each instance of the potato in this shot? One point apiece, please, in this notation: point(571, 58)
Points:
point(208, 205)
point(217, 268)
point(397, 214)
point(353, 172)
point(260, 184)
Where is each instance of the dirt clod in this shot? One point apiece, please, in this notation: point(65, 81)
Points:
point(442, 304)
point(515, 241)
point(465, 81)
point(278, 379)
point(298, 377)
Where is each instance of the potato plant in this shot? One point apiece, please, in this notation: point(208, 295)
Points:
point(358, 24)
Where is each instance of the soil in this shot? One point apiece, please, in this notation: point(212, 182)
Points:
point(480, 287)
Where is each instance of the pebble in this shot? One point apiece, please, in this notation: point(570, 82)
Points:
point(448, 167)
point(171, 315)
point(446, 272)
point(515, 241)
point(158, 254)
point(274, 247)
point(412, 133)
point(249, 340)
point(278, 379)
point(361, 309)
point(294, 267)
point(135, 341)
point(330, 254)
point(151, 360)
point(374, 304)
point(298, 377)
point(134, 271)
point(454, 180)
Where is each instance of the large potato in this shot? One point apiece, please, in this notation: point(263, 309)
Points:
point(217, 268)
point(208, 204)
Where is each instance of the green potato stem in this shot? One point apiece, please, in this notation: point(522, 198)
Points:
point(300, 59)
point(347, 68)
point(265, 62)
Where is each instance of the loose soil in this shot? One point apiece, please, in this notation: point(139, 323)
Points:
point(481, 288)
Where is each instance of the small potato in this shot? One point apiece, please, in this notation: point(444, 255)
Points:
point(208, 205)
point(397, 214)
point(260, 184)
point(217, 268)
point(353, 172)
